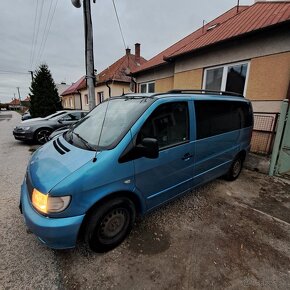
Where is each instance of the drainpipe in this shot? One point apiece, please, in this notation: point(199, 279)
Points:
point(107, 84)
point(135, 84)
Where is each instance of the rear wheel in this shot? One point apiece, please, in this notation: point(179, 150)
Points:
point(109, 224)
point(41, 135)
point(235, 168)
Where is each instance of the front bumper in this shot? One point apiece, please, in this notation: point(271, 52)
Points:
point(22, 135)
point(56, 233)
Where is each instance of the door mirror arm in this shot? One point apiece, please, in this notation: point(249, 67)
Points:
point(148, 148)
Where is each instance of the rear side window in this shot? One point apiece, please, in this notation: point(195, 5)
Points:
point(168, 124)
point(218, 117)
point(72, 117)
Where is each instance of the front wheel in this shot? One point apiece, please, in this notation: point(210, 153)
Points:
point(235, 169)
point(110, 224)
point(41, 135)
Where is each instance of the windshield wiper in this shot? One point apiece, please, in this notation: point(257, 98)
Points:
point(87, 144)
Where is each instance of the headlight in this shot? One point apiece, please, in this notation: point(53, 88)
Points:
point(23, 128)
point(49, 204)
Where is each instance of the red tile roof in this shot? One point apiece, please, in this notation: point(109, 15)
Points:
point(27, 99)
point(229, 25)
point(15, 102)
point(75, 87)
point(120, 69)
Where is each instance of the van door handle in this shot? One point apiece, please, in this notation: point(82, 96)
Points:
point(187, 156)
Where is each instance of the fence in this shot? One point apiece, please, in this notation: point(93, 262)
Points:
point(264, 132)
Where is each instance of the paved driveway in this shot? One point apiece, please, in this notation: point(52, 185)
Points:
point(222, 236)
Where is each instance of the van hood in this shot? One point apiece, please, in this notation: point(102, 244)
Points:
point(54, 161)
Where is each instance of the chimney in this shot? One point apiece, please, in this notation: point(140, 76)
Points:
point(137, 52)
point(128, 51)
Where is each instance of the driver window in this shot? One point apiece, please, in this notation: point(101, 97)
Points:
point(168, 124)
point(66, 118)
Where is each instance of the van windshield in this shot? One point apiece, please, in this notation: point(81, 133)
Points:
point(116, 116)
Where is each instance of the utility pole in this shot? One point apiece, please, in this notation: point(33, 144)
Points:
point(89, 50)
point(19, 94)
point(31, 72)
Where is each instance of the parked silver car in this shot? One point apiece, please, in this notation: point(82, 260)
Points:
point(38, 129)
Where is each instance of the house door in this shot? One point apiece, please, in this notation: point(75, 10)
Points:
point(171, 173)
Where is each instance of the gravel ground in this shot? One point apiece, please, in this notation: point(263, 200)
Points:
point(222, 236)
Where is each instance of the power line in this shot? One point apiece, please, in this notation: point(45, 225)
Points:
point(33, 36)
point(45, 28)
point(12, 72)
point(48, 30)
point(119, 23)
point(37, 32)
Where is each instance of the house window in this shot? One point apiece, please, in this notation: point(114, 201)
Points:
point(231, 78)
point(147, 87)
point(100, 97)
point(86, 99)
point(71, 102)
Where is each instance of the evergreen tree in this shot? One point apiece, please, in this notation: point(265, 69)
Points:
point(44, 99)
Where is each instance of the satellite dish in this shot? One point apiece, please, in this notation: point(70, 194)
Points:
point(76, 3)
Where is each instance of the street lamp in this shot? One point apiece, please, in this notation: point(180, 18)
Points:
point(89, 49)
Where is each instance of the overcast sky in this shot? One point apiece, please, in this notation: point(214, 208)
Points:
point(156, 24)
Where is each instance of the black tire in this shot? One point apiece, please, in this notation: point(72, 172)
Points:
point(41, 135)
point(235, 168)
point(109, 224)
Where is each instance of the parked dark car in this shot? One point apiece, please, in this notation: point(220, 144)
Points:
point(59, 132)
point(38, 129)
point(26, 116)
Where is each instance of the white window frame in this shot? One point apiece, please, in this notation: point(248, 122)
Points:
point(100, 96)
point(86, 96)
point(224, 77)
point(147, 86)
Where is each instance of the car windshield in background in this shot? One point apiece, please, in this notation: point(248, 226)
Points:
point(119, 116)
point(54, 115)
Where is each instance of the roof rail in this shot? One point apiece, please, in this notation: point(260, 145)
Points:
point(222, 93)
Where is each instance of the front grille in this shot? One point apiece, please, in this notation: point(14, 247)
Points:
point(60, 148)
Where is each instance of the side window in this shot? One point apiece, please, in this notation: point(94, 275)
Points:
point(71, 117)
point(218, 117)
point(66, 118)
point(169, 124)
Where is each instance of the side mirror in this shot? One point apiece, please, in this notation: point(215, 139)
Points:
point(148, 148)
point(59, 121)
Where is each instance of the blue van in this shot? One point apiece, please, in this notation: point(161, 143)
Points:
point(128, 156)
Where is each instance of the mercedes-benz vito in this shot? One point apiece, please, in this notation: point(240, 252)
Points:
point(128, 156)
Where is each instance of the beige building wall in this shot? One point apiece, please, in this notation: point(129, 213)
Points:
point(68, 102)
point(116, 90)
point(191, 79)
point(269, 77)
point(157, 73)
point(85, 106)
point(164, 85)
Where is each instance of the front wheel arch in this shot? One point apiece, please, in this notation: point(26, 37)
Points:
point(132, 196)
